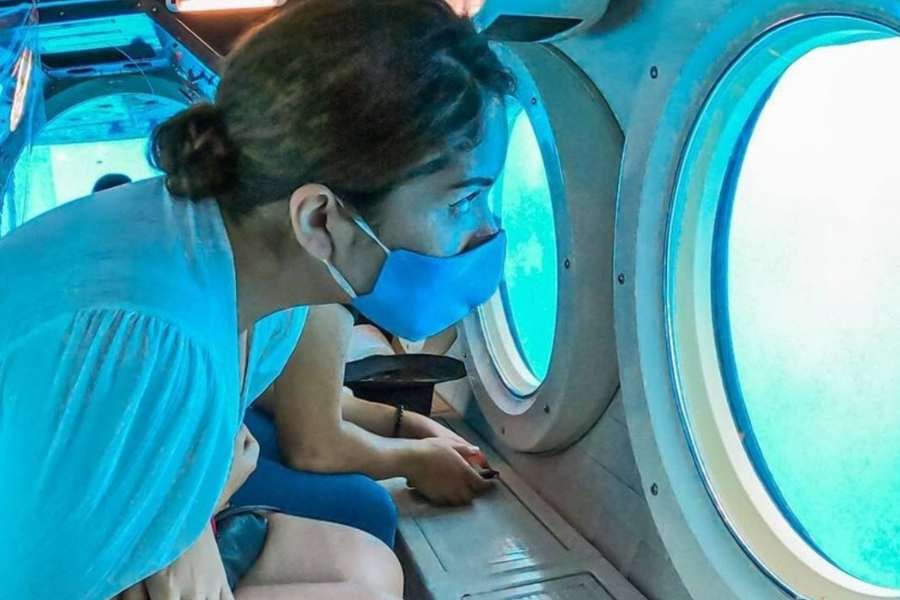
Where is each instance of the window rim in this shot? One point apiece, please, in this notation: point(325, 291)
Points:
point(750, 513)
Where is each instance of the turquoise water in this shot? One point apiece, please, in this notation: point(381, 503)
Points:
point(814, 299)
point(522, 200)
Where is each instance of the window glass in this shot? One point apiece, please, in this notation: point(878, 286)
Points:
point(808, 302)
point(522, 201)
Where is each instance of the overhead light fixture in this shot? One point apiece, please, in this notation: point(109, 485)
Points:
point(22, 72)
point(219, 5)
point(535, 20)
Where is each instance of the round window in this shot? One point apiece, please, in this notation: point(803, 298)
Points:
point(556, 200)
point(782, 300)
point(520, 321)
point(806, 299)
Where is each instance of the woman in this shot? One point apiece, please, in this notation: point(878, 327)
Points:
point(345, 160)
point(306, 419)
point(261, 550)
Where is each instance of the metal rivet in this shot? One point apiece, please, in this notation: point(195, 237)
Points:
point(533, 100)
point(567, 263)
point(621, 278)
point(654, 489)
point(654, 72)
point(547, 409)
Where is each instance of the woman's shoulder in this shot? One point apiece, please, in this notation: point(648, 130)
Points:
point(132, 334)
point(133, 247)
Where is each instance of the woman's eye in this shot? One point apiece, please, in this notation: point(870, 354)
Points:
point(464, 204)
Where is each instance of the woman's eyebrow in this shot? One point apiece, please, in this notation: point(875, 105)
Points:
point(440, 163)
point(482, 181)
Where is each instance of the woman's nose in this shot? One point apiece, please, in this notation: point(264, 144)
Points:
point(486, 229)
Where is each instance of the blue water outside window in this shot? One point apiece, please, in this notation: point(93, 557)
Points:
point(522, 200)
point(808, 302)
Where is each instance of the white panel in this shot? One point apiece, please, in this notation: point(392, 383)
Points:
point(509, 544)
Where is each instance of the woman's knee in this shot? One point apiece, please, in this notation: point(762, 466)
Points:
point(339, 554)
point(372, 564)
point(349, 499)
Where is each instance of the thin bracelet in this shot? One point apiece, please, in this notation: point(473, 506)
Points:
point(398, 420)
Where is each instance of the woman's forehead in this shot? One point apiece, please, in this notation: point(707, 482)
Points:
point(469, 167)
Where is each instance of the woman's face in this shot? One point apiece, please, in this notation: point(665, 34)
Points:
point(441, 211)
point(444, 210)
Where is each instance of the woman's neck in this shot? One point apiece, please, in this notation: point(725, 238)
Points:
point(273, 273)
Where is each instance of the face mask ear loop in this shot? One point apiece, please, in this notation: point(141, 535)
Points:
point(368, 231)
point(362, 225)
point(337, 275)
point(340, 279)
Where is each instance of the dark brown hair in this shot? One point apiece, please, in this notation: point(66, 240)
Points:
point(352, 94)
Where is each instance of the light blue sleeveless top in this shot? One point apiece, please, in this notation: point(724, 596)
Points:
point(119, 388)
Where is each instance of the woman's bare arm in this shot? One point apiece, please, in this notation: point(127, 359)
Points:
point(314, 436)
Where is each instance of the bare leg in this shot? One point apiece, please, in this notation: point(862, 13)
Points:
point(304, 551)
point(310, 591)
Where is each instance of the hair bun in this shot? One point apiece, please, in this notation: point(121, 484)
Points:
point(194, 151)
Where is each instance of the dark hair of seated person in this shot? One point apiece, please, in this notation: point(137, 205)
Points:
point(110, 180)
point(351, 94)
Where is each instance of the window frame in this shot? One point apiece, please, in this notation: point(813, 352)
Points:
point(581, 144)
point(727, 540)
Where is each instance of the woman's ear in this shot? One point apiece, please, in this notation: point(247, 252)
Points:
point(311, 208)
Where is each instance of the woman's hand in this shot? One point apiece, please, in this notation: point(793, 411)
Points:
point(197, 574)
point(443, 475)
point(419, 426)
point(246, 453)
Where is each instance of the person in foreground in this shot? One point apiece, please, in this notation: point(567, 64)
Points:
point(263, 562)
point(304, 424)
point(346, 159)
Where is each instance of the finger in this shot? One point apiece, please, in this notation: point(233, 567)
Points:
point(435, 500)
point(473, 478)
point(458, 437)
point(478, 459)
point(463, 498)
point(476, 482)
point(464, 447)
point(225, 594)
point(136, 592)
point(468, 451)
point(159, 587)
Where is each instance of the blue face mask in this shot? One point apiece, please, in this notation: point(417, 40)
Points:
point(416, 296)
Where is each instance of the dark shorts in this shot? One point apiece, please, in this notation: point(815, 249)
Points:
point(241, 535)
point(350, 499)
